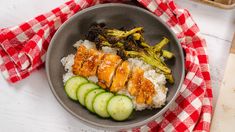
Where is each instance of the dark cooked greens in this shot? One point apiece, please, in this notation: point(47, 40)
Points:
point(131, 43)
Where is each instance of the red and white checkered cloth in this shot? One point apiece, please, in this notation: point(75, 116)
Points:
point(23, 48)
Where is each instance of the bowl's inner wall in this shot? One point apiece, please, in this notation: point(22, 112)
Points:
point(77, 27)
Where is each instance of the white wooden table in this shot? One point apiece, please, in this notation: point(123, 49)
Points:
point(30, 105)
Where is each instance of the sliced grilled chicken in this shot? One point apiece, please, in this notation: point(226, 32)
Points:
point(135, 81)
point(107, 69)
point(121, 77)
point(79, 59)
point(114, 74)
point(89, 66)
point(140, 87)
point(147, 91)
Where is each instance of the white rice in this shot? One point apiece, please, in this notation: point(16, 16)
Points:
point(158, 80)
point(66, 76)
point(159, 99)
point(93, 79)
point(155, 78)
point(109, 50)
point(88, 44)
point(125, 92)
point(68, 62)
point(136, 62)
point(138, 106)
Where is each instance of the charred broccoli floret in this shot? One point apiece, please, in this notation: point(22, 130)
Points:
point(101, 41)
point(94, 32)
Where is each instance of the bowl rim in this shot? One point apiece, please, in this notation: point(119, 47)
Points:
point(103, 126)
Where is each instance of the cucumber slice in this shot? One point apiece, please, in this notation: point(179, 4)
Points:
point(72, 85)
point(100, 104)
point(120, 107)
point(90, 98)
point(83, 90)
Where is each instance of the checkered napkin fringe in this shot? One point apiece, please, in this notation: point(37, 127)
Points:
point(23, 49)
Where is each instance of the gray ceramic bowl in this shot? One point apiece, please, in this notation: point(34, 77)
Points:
point(117, 16)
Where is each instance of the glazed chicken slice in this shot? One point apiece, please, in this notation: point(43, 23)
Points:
point(147, 91)
point(140, 87)
point(107, 68)
point(135, 81)
point(121, 77)
point(79, 59)
point(92, 60)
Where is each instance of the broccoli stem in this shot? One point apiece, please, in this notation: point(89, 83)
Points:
point(105, 43)
point(132, 31)
point(155, 63)
point(119, 44)
point(145, 45)
point(167, 54)
point(150, 60)
point(170, 78)
point(155, 55)
point(158, 47)
point(122, 34)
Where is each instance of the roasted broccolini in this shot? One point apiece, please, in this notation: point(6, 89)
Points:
point(131, 43)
